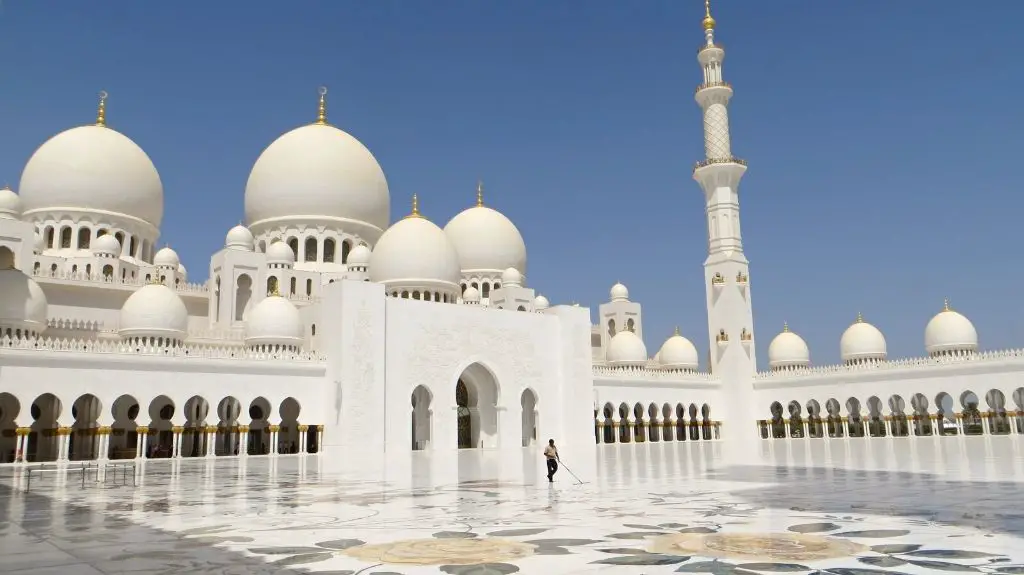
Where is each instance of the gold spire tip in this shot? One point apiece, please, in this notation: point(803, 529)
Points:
point(677, 331)
point(945, 304)
point(479, 193)
point(101, 112)
point(785, 327)
point(860, 318)
point(321, 114)
point(415, 207)
point(709, 22)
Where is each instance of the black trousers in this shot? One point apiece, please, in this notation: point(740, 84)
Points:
point(552, 468)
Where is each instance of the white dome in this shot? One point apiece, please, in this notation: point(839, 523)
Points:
point(280, 253)
point(317, 171)
point(359, 256)
point(10, 204)
point(93, 168)
point(678, 353)
point(22, 302)
point(274, 321)
point(38, 243)
point(788, 350)
point(618, 293)
point(182, 271)
point(486, 239)
point(541, 303)
point(415, 250)
point(154, 310)
point(471, 295)
point(106, 245)
point(950, 331)
point(240, 238)
point(512, 278)
point(166, 258)
point(626, 349)
point(862, 341)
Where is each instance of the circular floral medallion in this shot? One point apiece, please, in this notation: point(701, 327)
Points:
point(773, 546)
point(442, 551)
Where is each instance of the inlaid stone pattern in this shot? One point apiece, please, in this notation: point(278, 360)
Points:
point(651, 509)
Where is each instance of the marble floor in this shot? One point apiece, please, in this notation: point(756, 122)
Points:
point(851, 507)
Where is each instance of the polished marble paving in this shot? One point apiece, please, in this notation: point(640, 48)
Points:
point(850, 507)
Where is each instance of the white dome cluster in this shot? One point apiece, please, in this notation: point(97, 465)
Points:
point(154, 315)
point(950, 333)
point(274, 324)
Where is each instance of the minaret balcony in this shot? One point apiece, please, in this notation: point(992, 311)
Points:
point(714, 161)
point(714, 85)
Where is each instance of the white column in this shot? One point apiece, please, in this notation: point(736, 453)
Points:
point(63, 443)
point(103, 443)
point(243, 440)
point(141, 442)
point(303, 434)
point(176, 442)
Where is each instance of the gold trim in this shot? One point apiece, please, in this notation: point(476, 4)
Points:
point(105, 430)
point(23, 431)
point(177, 429)
point(243, 429)
point(708, 23)
point(303, 428)
point(275, 428)
point(321, 114)
point(143, 429)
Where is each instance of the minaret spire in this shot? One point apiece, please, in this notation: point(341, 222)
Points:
point(101, 111)
point(709, 24)
point(479, 193)
point(321, 114)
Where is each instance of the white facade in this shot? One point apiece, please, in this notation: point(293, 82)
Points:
point(322, 328)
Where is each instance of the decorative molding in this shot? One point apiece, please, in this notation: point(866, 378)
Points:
point(138, 282)
point(888, 366)
point(648, 372)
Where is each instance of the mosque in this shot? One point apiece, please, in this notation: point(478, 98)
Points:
point(327, 327)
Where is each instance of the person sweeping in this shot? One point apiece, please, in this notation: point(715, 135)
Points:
point(551, 454)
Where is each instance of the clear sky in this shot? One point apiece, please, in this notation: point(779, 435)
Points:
point(883, 138)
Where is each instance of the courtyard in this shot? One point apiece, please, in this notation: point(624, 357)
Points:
point(844, 507)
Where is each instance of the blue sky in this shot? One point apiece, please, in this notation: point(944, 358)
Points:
point(883, 137)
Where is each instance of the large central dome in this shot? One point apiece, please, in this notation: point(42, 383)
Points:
point(317, 172)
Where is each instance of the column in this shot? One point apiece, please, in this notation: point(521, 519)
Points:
point(320, 438)
point(303, 435)
point(176, 442)
point(63, 443)
point(274, 429)
point(243, 440)
point(21, 447)
point(211, 440)
point(103, 443)
point(141, 441)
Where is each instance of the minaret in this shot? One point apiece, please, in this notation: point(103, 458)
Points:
point(726, 270)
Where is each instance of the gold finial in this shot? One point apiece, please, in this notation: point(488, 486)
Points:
point(321, 114)
point(677, 331)
point(785, 327)
point(415, 208)
point(709, 22)
point(101, 112)
point(860, 318)
point(945, 305)
point(479, 193)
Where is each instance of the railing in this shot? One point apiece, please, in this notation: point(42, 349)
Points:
point(201, 351)
point(113, 280)
point(706, 85)
point(713, 161)
point(894, 364)
point(652, 372)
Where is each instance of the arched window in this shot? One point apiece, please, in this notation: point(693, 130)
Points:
point(329, 247)
point(310, 249)
point(88, 270)
point(120, 238)
point(346, 247)
point(630, 324)
point(84, 237)
point(293, 243)
point(271, 284)
point(463, 286)
point(243, 292)
point(65, 237)
point(314, 329)
point(133, 245)
point(309, 287)
point(293, 283)
point(216, 294)
point(49, 238)
point(486, 291)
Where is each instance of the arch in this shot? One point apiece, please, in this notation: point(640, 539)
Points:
point(6, 258)
point(84, 442)
point(971, 415)
point(922, 421)
point(528, 402)
point(329, 249)
point(10, 407)
point(680, 422)
point(945, 415)
point(259, 427)
point(288, 437)
point(310, 249)
point(899, 427)
point(876, 424)
point(624, 431)
point(65, 237)
point(999, 422)
point(611, 328)
point(346, 247)
point(272, 286)
point(160, 441)
point(855, 423)
point(476, 394)
point(293, 243)
point(630, 325)
point(1018, 400)
point(84, 238)
point(653, 428)
point(294, 284)
point(796, 419)
point(193, 439)
point(639, 433)
point(422, 417)
point(608, 435)
point(43, 441)
point(777, 423)
point(227, 441)
point(666, 423)
point(124, 437)
point(243, 293)
point(309, 287)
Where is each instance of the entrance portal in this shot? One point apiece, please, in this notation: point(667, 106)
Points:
point(476, 407)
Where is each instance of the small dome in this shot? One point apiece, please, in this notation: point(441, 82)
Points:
point(317, 170)
point(166, 258)
point(678, 353)
point(415, 251)
point(22, 302)
point(950, 332)
point(511, 278)
point(788, 350)
point(862, 341)
point(471, 295)
point(619, 293)
point(274, 321)
point(486, 240)
point(10, 204)
point(626, 349)
point(240, 238)
point(38, 244)
point(182, 271)
point(93, 168)
point(154, 310)
point(106, 245)
point(541, 303)
point(280, 253)
point(359, 256)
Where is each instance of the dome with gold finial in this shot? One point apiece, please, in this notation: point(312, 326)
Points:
point(415, 255)
point(678, 353)
point(274, 323)
point(788, 350)
point(318, 172)
point(862, 342)
point(96, 169)
point(950, 332)
point(487, 241)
